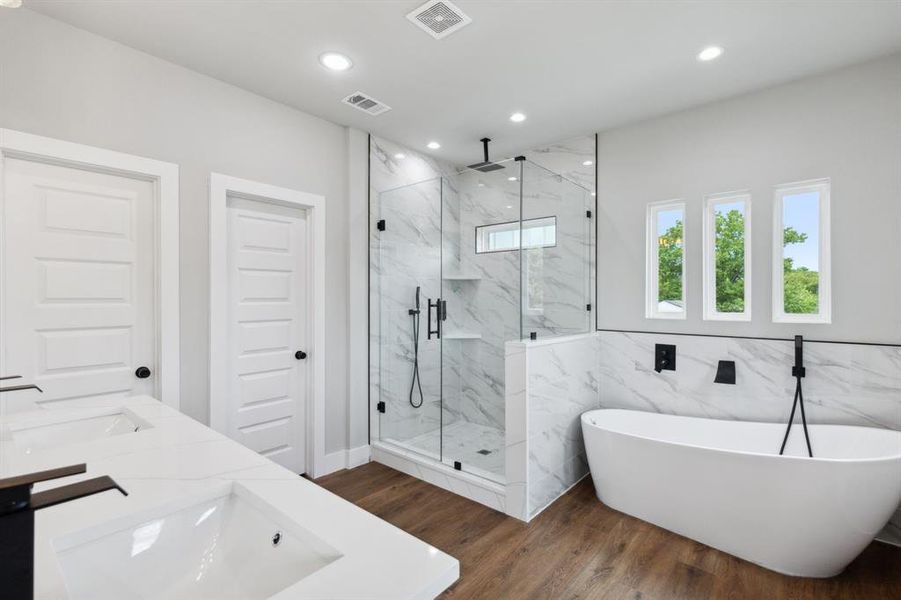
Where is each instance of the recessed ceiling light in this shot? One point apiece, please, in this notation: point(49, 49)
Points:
point(587, 163)
point(433, 145)
point(517, 117)
point(509, 206)
point(334, 61)
point(400, 156)
point(709, 53)
point(511, 178)
point(11, 3)
point(481, 184)
point(594, 194)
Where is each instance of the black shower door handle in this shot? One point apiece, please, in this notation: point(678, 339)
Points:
point(437, 331)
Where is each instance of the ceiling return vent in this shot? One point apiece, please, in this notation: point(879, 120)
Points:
point(439, 18)
point(367, 104)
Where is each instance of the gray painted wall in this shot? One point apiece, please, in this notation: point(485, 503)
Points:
point(845, 125)
point(62, 82)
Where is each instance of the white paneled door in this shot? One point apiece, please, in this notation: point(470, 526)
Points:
point(267, 304)
point(78, 291)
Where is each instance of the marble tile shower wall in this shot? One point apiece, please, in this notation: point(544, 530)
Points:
point(486, 305)
point(846, 384)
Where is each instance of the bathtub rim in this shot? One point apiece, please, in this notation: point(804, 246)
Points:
point(882, 459)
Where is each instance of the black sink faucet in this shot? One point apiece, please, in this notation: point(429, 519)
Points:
point(16, 388)
point(17, 506)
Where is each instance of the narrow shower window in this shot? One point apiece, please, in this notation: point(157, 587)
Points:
point(801, 253)
point(727, 260)
point(665, 271)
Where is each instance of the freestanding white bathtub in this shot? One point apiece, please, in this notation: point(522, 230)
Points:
point(723, 483)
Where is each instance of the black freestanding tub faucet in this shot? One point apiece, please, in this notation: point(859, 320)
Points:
point(17, 506)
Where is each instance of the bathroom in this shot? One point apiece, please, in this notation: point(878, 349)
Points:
point(470, 313)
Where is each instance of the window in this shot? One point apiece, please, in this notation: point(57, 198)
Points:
point(727, 257)
point(801, 253)
point(501, 237)
point(665, 285)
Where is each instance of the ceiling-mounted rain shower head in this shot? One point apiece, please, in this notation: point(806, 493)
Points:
point(486, 166)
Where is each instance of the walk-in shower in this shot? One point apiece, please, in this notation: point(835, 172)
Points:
point(492, 256)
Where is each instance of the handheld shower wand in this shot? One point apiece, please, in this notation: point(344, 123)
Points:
point(798, 372)
point(416, 382)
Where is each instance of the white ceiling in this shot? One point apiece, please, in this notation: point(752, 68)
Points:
point(573, 67)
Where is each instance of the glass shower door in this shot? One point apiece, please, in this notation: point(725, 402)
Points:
point(409, 278)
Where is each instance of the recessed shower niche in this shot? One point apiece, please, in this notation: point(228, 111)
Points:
point(460, 263)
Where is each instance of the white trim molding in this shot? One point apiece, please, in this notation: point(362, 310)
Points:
point(652, 303)
point(824, 268)
point(710, 205)
point(221, 187)
point(164, 177)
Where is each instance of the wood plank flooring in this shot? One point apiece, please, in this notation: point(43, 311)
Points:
point(579, 548)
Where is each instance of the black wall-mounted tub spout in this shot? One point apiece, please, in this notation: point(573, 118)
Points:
point(725, 372)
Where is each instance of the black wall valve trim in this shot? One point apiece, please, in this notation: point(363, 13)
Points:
point(664, 357)
point(142, 373)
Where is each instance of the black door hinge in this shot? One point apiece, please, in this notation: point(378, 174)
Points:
point(380, 407)
point(588, 213)
point(458, 465)
point(588, 307)
point(381, 225)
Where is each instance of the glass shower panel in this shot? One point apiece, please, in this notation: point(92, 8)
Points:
point(556, 254)
point(480, 283)
point(409, 357)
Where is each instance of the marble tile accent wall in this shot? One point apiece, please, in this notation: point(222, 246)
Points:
point(550, 383)
point(848, 384)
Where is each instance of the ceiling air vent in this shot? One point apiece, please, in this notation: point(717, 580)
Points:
point(439, 18)
point(367, 104)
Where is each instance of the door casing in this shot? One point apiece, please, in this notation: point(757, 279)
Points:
point(164, 176)
point(221, 187)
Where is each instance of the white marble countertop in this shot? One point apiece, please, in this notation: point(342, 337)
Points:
point(179, 456)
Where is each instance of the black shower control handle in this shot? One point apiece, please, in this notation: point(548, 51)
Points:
point(439, 311)
point(142, 372)
point(300, 355)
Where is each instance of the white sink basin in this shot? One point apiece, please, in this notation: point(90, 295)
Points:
point(87, 426)
point(226, 544)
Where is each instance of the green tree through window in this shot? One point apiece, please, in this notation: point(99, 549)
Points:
point(801, 286)
point(730, 261)
point(669, 264)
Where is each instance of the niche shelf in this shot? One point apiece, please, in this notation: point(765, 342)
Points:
point(458, 276)
point(461, 335)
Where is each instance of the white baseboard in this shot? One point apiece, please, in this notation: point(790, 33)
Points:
point(343, 459)
point(358, 456)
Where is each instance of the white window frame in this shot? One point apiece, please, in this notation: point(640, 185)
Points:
point(652, 303)
point(710, 205)
point(483, 234)
point(822, 187)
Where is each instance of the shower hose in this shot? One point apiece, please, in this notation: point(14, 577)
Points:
point(417, 382)
point(799, 401)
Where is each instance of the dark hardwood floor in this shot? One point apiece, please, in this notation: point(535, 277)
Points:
point(579, 548)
